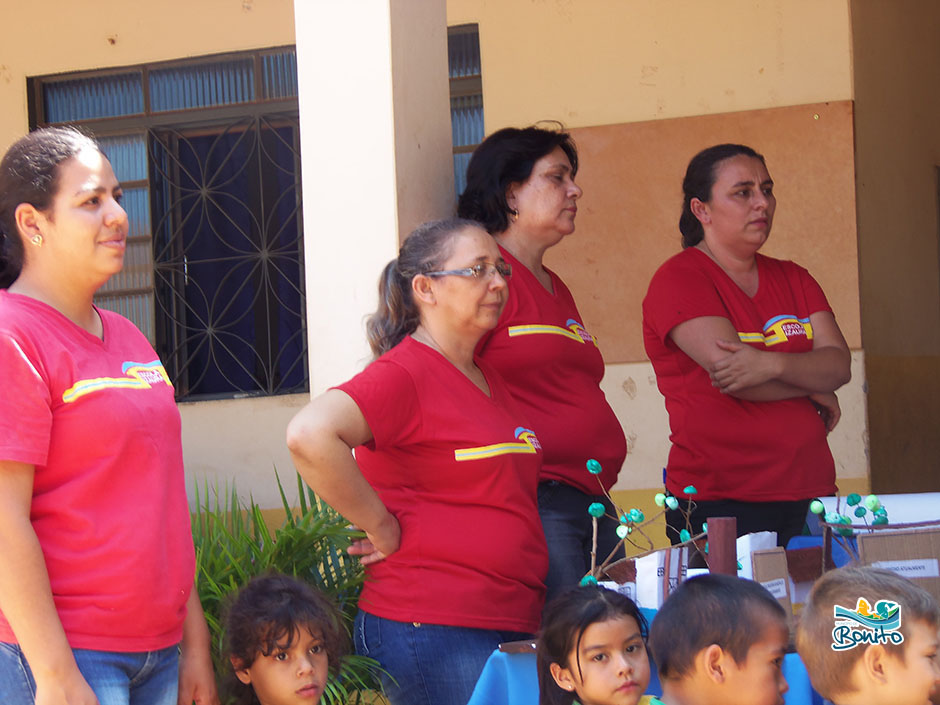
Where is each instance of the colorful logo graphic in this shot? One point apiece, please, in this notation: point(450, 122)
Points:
point(780, 329)
point(866, 625)
point(528, 443)
point(138, 375)
point(574, 330)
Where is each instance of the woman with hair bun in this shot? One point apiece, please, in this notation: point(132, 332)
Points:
point(97, 604)
point(443, 481)
point(521, 187)
point(746, 352)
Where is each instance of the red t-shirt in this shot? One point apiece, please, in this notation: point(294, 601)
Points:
point(554, 368)
point(459, 470)
point(726, 447)
point(98, 421)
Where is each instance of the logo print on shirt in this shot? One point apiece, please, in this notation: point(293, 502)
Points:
point(528, 444)
point(575, 331)
point(864, 625)
point(138, 375)
point(780, 329)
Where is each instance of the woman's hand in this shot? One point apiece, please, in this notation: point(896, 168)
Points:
point(70, 689)
point(196, 676)
point(379, 544)
point(742, 368)
point(827, 404)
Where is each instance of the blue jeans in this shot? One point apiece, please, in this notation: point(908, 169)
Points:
point(431, 664)
point(569, 534)
point(147, 678)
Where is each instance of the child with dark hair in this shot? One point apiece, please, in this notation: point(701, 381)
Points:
point(720, 640)
point(592, 649)
point(869, 636)
point(284, 639)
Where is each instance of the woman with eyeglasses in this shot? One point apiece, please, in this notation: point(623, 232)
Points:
point(443, 481)
point(521, 187)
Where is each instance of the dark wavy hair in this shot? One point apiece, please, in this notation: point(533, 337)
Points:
point(29, 173)
point(699, 179)
point(563, 625)
point(424, 250)
point(507, 157)
point(265, 614)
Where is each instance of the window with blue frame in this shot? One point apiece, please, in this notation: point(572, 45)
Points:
point(466, 97)
point(208, 152)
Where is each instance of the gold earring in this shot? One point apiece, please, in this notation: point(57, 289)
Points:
point(36, 240)
point(514, 213)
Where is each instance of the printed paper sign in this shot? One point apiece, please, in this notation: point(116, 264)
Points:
point(917, 568)
point(777, 588)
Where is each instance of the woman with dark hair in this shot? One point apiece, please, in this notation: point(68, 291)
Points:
point(443, 482)
point(746, 352)
point(520, 186)
point(96, 553)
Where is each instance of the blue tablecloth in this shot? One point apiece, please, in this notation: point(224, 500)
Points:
point(512, 679)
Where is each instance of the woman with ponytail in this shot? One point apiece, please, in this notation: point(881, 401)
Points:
point(443, 481)
point(747, 353)
point(97, 605)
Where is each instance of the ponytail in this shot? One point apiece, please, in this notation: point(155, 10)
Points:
point(396, 316)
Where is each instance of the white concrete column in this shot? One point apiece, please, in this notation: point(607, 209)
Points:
point(375, 144)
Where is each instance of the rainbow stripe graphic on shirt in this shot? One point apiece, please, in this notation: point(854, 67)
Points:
point(575, 331)
point(138, 375)
point(528, 443)
point(779, 329)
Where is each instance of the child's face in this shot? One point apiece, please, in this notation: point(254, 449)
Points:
point(289, 675)
point(615, 669)
point(759, 680)
point(912, 678)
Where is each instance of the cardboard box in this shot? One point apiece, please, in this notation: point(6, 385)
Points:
point(769, 568)
point(915, 554)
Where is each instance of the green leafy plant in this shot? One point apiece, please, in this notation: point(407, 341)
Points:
point(234, 544)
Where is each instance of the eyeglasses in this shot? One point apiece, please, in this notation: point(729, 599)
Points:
point(483, 270)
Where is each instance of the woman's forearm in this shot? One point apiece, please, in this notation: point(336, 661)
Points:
point(820, 370)
point(196, 678)
point(320, 438)
point(26, 594)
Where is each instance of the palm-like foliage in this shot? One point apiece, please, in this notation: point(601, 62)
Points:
point(234, 544)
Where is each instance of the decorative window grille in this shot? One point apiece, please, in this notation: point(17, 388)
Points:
point(208, 153)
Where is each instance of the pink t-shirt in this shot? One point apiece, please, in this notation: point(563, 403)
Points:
point(554, 369)
point(98, 421)
point(729, 448)
point(459, 470)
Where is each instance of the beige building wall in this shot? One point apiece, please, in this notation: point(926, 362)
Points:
point(586, 63)
point(605, 62)
point(598, 62)
point(897, 120)
point(241, 439)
